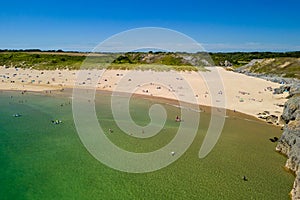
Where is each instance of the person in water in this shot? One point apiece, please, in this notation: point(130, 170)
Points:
point(56, 121)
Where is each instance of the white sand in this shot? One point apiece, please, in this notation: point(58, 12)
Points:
point(242, 93)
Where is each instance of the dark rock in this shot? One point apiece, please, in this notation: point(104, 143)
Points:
point(295, 193)
point(291, 109)
point(295, 90)
point(272, 119)
point(282, 89)
point(275, 139)
point(289, 142)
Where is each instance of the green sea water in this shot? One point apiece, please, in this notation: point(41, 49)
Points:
point(40, 160)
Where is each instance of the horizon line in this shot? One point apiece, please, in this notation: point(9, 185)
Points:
point(106, 52)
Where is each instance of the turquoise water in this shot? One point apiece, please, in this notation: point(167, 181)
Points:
point(40, 160)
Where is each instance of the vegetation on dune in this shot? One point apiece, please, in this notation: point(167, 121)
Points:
point(286, 67)
point(152, 58)
point(277, 63)
point(154, 67)
point(162, 61)
point(52, 60)
point(238, 59)
point(40, 61)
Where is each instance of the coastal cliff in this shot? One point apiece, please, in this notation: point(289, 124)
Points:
point(289, 143)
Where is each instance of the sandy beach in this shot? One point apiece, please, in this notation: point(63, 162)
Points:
point(239, 92)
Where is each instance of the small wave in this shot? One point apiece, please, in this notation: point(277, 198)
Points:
point(183, 107)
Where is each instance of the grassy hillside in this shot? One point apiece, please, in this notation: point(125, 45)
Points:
point(152, 58)
point(286, 64)
point(63, 60)
point(161, 61)
point(238, 59)
point(51, 60)
point(286, 67)
point(40, 60)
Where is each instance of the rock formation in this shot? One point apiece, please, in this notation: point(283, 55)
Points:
point(289, 143)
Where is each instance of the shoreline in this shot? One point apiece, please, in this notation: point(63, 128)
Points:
point(244, 94)
point(167, 101)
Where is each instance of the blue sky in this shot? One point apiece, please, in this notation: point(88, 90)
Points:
point(234, 25)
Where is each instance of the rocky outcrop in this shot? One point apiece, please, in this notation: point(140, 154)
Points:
point(226, 63)
point(291, 110)
point(289, 143)
point(282, 89)
point(295, 90)
point(295, 193)
point(269, 118)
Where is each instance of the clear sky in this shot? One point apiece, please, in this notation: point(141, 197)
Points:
point(233, 25)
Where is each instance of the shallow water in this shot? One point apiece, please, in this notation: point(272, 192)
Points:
point(40, 160)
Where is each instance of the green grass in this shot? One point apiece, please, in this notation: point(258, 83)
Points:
point(52, 61)
point(239, 59)
point(158, 61)
point(164, 58)
point(286, 67)
point(40, 61)
point(154, 67)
